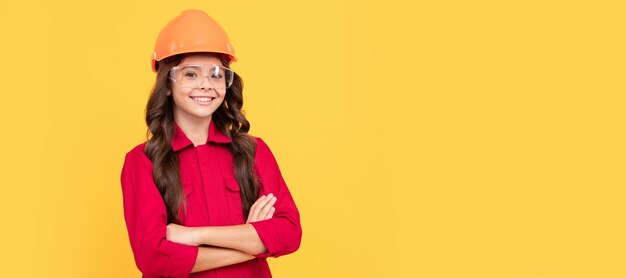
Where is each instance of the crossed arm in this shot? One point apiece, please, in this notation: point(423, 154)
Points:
point(226, 244)
point(170, 250)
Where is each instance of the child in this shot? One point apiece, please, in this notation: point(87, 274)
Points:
point(202, 197)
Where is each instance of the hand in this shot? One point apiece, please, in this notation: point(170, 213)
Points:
point(183, 235)
point(262, 209)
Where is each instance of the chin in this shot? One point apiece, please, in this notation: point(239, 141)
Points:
point(203, 115)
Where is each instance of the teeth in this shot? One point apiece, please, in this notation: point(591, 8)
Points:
point(203, 99)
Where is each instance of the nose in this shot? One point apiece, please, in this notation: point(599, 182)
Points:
point(205, 85)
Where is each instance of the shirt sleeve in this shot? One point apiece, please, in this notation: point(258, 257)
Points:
point(146, 221)
point(282, 233)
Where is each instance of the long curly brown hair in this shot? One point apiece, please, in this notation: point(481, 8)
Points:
point(228, 118)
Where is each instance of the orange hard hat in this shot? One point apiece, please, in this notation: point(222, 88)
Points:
point(192, 31)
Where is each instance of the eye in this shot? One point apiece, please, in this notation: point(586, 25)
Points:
point(217, 73)
point(190, 74)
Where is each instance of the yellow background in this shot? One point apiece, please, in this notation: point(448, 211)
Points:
point(418, 138)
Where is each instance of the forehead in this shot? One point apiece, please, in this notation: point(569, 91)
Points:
point(201, 58)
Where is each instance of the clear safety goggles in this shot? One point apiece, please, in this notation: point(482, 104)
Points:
point(194, 76)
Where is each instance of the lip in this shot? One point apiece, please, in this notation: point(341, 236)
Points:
point(203, 103)
point(203, 96)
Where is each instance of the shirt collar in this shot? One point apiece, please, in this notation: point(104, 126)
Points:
point(181, 141)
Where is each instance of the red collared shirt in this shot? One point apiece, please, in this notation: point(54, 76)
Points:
point(213, 199)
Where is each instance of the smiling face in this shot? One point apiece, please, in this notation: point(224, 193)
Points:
point(197, 103)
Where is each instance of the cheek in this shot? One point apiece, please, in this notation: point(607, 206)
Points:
point(221, 101)
point(223, 97)
point(179, 98)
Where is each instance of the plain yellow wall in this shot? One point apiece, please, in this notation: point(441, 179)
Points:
point(418, 138)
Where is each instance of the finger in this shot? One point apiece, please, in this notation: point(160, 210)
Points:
point(259, 200)
point(253, 214)
point(271, 214)
point(262, 202)
point(266, 209)
point(256, 203)
point(254, 206)
point(270, 204)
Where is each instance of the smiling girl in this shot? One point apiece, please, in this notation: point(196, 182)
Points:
point(202, 197)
